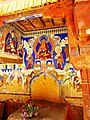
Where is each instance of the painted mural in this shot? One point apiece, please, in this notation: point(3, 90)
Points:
point(52, 50)
point(48, 58)
point(11, 78)
point(46, 64)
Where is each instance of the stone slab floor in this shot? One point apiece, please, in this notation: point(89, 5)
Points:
point(51, 111)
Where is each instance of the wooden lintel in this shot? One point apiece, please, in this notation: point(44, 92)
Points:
point(10, 60)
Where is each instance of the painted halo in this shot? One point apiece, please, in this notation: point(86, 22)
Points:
point(43, 37)
point(58, 49)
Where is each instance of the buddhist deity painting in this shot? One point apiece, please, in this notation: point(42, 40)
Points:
point(43, 48)
point(11, 43)
point(29, 55)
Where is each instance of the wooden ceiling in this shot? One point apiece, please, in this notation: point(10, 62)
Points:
point(39, 23)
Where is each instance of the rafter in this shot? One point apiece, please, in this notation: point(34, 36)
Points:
point(21, 24)
point(31, 23)
point(42, 21)
point(52, 22)
point(14, 24)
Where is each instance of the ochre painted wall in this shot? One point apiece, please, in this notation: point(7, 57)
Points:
point(45, 88)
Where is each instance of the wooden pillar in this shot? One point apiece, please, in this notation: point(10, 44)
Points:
point(81, 15)
point(85, 75)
